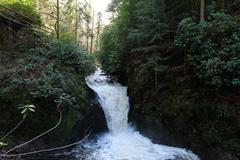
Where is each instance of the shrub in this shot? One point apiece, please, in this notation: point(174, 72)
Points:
point(45, 71)
point(57, 69)
point(212, 49)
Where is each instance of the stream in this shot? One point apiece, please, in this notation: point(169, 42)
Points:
point(122, 142)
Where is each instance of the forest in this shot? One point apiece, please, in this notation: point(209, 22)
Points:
point(180, 61)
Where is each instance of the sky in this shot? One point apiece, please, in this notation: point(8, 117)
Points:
point(101, 6)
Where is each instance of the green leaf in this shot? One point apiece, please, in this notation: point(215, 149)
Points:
point(31, 109)
point(3, 144)
point(31, 106)
point(24, 111)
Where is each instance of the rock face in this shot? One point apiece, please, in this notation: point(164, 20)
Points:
point(157, 132)
point(95, 121)
point(228, 156)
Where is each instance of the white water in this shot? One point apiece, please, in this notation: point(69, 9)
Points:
point(123, 142)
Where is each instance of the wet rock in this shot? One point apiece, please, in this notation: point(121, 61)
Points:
point(229, 156)
point(95, 121)
point(156, 131)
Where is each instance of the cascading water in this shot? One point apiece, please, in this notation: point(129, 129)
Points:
point(122, 142)
point(114, 101)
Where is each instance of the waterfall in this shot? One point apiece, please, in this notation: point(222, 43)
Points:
point(123, 142)
point(114, 101)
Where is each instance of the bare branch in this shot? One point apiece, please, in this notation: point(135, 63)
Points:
point(49, 150)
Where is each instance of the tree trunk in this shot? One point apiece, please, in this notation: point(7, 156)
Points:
point(76, 24)
point(223, 4)
point(92, 32)
point(58, 21)
point(99, 23)
point(97, 40)
point(202, 10)
point(88, 43)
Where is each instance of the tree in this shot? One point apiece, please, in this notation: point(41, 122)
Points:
point(113, 7)
point(71, 19)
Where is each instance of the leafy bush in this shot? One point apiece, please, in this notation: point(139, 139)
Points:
point(54, 69)
point(46, 70)
point(212, 49)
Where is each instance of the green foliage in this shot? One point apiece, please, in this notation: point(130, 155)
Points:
point(55, 69)
point(139, 24)
point(174, 71)
point(45, 70)
point(212, 123)
point(150, 24)
point(108, 56)
point(24, 7)
point(220, 125)
point(212, 48)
